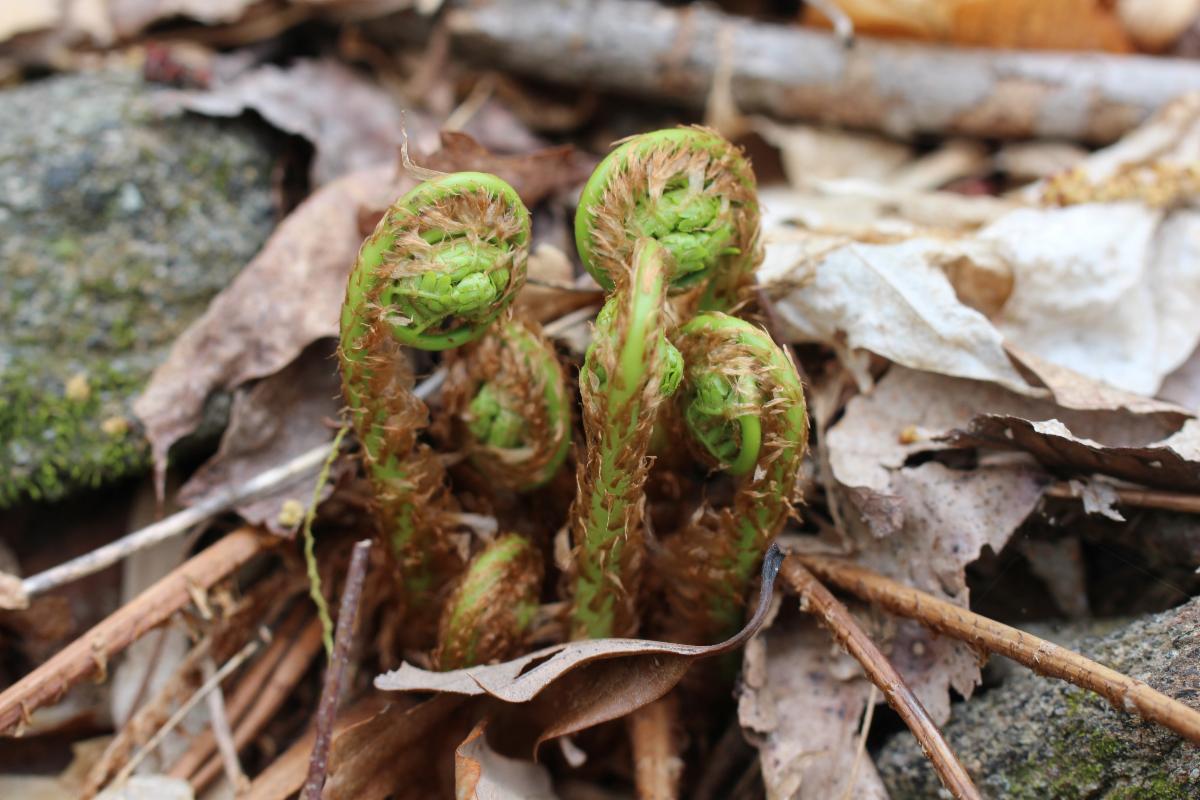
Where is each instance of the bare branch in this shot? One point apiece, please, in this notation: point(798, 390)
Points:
point(327, 711)
point(90, 652)
point(793, 72)
point(1123, 692)
point(817, 600)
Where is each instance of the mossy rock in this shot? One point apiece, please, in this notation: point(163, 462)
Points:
point(1033, 738)
point(117, 226)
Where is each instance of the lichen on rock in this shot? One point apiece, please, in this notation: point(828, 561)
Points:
point(1033, 738)
point(117, 226)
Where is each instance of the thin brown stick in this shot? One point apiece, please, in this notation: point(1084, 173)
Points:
point(1141, 498)
point(657, 766)
point(219, 725)
point(817, 600)
point(248, 690)
point(89, 654)
point(208, 686)
point(1123, 692)
point(283, 679)
point(327, 710)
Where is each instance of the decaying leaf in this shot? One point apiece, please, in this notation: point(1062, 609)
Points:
point(1172, 463)
point(389, 753)
point(570, 687)
point(890, 299)
point(481, 773)
point(132, 16)
point(279, 418)
point(801, 703)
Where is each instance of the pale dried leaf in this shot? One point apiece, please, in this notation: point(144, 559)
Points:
point(888, 299)
point(149, 787)
point(130, 17)
point(25, 16)
point(801, 703)
point(12, 594)
point(480, 773)
point(1109, 290)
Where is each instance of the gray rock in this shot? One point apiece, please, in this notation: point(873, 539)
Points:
point(116, 228)
point(1033, 737)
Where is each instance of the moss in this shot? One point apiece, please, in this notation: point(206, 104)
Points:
point(53, 443)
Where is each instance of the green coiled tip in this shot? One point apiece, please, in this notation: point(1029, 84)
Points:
point(687, 188)
point(444, 262)
point(489, 614)
point(518, 413)
point(733, 369)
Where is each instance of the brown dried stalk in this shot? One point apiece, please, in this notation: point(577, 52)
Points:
point(657, 766)
point(1140, 498)
point(1123, 692)
point(89, 654)
point(282, 680)
point(817, 600)
point(327, 710)
point(249, 687)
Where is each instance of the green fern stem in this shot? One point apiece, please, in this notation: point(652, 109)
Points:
point(443, 264)
point(742, 403)
point(630, 369)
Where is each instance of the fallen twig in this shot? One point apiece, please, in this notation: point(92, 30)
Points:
point(282, 679)
point(656, 763)
point(792, 72)
point(817, 600)
point(327, 710)
point(90, 652)
point(1123, 692)
point(208, 686)
point(219, 725)
point(249, 688)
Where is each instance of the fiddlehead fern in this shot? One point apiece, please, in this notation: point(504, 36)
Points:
point(443, 263)
point(511, 392)
point(629, 370)
point(489, 613)
point(743, 404)
point(687, 188)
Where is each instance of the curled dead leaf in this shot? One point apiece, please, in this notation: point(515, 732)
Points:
point(570, 687)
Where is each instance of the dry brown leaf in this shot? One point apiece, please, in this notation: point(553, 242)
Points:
point(481, 773)
point(534, 175)
point(350, 121)
point(1172, 463)
point(570, 687)
point(279, 418)
point(800, 703)
point(396, 752)
point(286, 298)
point(1183, 385)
